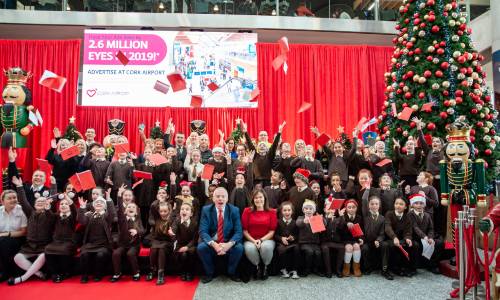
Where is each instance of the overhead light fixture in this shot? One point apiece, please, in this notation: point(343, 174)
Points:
point(161, 6)
point(371, 6)
point(216, 8)
point(273, 12)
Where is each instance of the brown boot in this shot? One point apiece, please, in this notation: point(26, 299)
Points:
point(357, 270)
point(347, 270)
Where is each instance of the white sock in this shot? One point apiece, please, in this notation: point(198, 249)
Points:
point(22, 261)
point(347, 257)
point(356, 256)
point(34, 268)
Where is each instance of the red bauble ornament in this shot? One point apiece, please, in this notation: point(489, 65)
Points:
point(421, 95)
point(487, 152)
point(430, 2)
point(472, 132)
point(409, 73)
point(461, 59)
point(407, 21)
point(430, 126)
point(413, 124)
point(458, 100)
point(464, 83)
point(446, 93)
point(403, 150)
point(435, 28)
point(446, 103)
point(409, 45)
point(431, 18)
point(418, 51)
point(442, 43)
point(440, 51)
point(404, 105)
point(429, 58)
point(469, 70)
point(472, 139)
point(445, 65)
point(385, 129)
point(439, 73)
point(399, 129)
point(459, 93)
point(427, 74)
point(407, 95)
point(463, 70)
point(398, 27)
point(422, 25)
point(462, 27)
point(473, 111)
point(479, 124)
point(492, 131)
point(443, 115)
point(416, 21)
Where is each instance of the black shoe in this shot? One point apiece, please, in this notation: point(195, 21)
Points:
point(149, 276)
point(387, 275)
point(206, 279)
point(339, 275)
point(235, 278)
point(400, 272)
point(183, 276)
point(43, 277)
point(84, 279)
point(411, 272)
point(265, 275)
point(367, 272)
point(328, 275)
point(453, 261)
point(435, 270)
point(136, 277)
point(115, 277)
point(161, 278)
point(189, 277)
point(97, 278)
point(3, 277)
point(57, 279)
point(12, 281)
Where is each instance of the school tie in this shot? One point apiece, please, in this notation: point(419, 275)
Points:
point(220, 226)
point(193, 173)
point(421, 216)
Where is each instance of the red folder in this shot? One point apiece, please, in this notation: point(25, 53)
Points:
point(86, 180)
point(158, 159)
point(361, 123)
point(196, 101)
point(305, 106)
point(122, 148)
point(142, 174)
point(208, 171)
point(283, 44)
point(137, 183)
point(70, 152)
point(176, 82)
point(75, 183)
point(213, 86)
point(52, 81)
point(356, 231)
point(278, 62)
point(336, 204)
point(254, 95)
point(405, 114)
point(317, 224)
point(383, 162)
point(323, 139)
point(122, 58)
point(404, 252)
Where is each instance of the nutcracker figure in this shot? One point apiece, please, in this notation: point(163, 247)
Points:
point(462, 179)
point(16, 111)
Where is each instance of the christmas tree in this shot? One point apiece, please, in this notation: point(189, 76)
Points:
point(71, 133)
point(434, 63)
point(156, 132)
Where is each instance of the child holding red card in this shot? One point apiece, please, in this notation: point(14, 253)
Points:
point(351, 239)
point(62, 169)
point(286, 236)
point(336, 192)
point(380, 163)
point(309, 242)
point(408, 163)
point(375, 248)
point(398, 229)
point(96, 162)
point(145, 190)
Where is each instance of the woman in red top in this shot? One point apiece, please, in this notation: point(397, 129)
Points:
point(259, 223)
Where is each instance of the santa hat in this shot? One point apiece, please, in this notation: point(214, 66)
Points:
point(350, 201)
point(163, 185)
point(241, 170)
point(302, 174)
point(416, 198)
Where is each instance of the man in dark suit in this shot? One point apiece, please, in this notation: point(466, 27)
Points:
point(37, 186)
point(179, 146)
point(220, 234)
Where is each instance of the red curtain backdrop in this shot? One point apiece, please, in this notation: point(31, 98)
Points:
point(343, 84)
point(60, 57)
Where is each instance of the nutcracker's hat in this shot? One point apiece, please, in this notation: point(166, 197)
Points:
point(458, 130)
point(17, 75)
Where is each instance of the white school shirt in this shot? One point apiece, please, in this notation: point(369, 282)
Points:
point(13, 221)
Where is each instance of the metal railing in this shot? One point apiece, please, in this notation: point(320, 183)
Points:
point(384, 10)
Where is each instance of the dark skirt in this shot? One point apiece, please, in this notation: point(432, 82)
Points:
point(60, 248)
point(159, 244)
point(283, 248)
point(33, 248)
point(94, 248)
